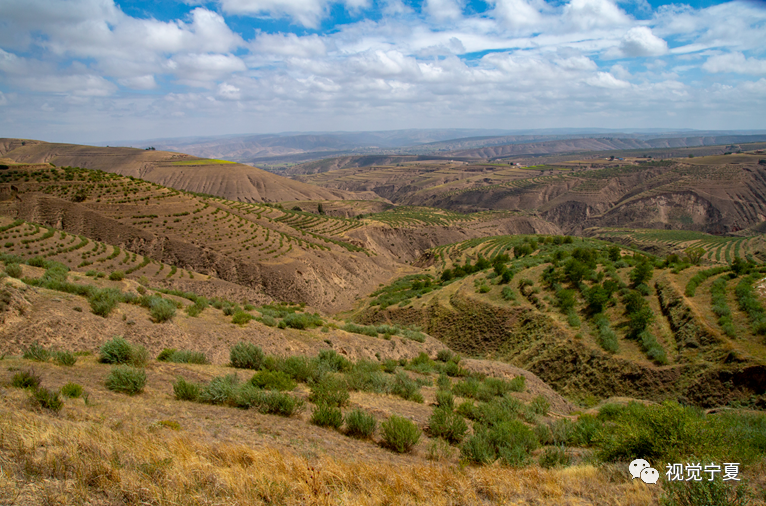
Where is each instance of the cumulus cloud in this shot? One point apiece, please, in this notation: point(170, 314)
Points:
point(519, 14)
point(590, 14)
point(640, 41)
point(442, 10)
point(736, 63)
point(305, 12)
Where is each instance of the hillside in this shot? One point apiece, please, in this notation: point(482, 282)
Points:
point(714, 194)
point(184, 172)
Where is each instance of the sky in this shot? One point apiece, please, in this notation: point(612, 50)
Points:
point(91, 71)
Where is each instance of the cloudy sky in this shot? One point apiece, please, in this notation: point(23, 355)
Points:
point(99, 70)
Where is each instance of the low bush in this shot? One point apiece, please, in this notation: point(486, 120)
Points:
point(510, 441)
point(186, 390)
point(360, 424)
point(330, 360)
point(327, 416)
point(273, 380)
point(540, 405)
point(406, 388)
point(246, 356)
point(517, 384)
point(400, 434)
point(119, 351)
point(360, 329)
point(116, 276)
point(303, 321)
point(444, 399)
point(25, 379)
point(182, 356)
point(242, 317)
point(13, 270)
point(65, 358)
point(554, 456)
point(703, 493)
point(126, 379)
point(161, 309)
point(71, 390)
point(102, 302)
point(446, 424)
point(36, 352)
point(331, 391)
point(47, 399)
point(221, 390)
point(273, 402)
point(467, 388)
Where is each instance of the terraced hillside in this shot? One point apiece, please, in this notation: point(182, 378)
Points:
point(184, 172)
point(715, 194)
point(287, 253)
point(578, 311)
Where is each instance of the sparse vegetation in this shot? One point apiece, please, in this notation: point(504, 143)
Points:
point(126, 379)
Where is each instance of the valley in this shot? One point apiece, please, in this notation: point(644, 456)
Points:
point(516, 330)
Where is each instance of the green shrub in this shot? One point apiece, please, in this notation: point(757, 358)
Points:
point(360, 329)
point(444, 399)
point(242, 317)
point(540, 405)
point(165, 354)
point(65, 358)
point(272, 380)
point(448, 425)
point(186, 390)
point(117, 276)
point(47, 399)
point(331, 391)
point(400, 434)
point(510, 441)
point(517, 384)
point(331, 361)
point(507, 292)
point(36, 352)
point(161, 309)
point(71, 390)
point(102, 302)
point(25, 379)
point(221, 390)
point(327, 416)
point(13, 270)
point(303, 321)
point(368, 379)
point(274, 403)
point(406, 388)
point(584, 431)
point(267, 320)
point(246, 356)
point(360, 424)
point(390, 365)
point(703, 493)
point(443, 382)
point(554, 456)
point(183, 356)
point(126, 379)
point(119, 351)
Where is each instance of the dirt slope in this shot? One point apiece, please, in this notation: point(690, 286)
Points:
point(229, 180)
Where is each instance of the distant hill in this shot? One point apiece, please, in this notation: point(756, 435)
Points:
point(233, 181)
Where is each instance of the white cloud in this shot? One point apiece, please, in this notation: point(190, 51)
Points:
point(604, 80)
point(590, 14)
point(519, 14)
point(736, 63)
point(3, 100)
point(228, 91)
point(290, 45)
point(305, 12)
point(640, 41)
point(442, 10)
point(145, 82)
point(205, 68)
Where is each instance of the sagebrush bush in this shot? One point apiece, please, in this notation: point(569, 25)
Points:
point(126, 379)
point(330, 360)
point(25, 379)
point(703, 493)
point(406, 388)
point(165, 354)
point(554, 456)
point(186, 390)
point(221, 390)
point(36, 352)
point(47, 399)
point(273, 380)
point(13, 270)
point(540, 405)
point(184, 357)
point(510, 441)
point(446, 424)
point(300, 368)
point(102, 302)
point(360, 424)
point(116, 276)
point(331, 391)
point(273, 402)
point(65, 358)
point(327, 416)
point(445, 399)
point(246, 356)
point(161, 309)
point(119, 351)
point(71, 390)
point(242, 317)
point(400, 434)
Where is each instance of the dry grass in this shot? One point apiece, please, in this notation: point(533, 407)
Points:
point(48, 460)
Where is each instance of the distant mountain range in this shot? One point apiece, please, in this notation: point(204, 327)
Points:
point(297, 147)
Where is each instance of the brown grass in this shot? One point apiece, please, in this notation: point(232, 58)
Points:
point(48, 460)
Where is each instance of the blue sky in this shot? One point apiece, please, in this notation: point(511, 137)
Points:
point(100, 70)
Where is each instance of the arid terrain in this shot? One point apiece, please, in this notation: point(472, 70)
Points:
point(392, 330)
